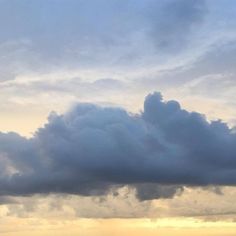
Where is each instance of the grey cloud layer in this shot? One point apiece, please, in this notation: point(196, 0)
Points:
point(90, 150)
point(92, 20)
point(92, 33)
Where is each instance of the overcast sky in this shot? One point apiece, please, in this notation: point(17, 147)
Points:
point(118, 113)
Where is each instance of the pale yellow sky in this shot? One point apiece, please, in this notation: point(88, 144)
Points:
point(116, 227)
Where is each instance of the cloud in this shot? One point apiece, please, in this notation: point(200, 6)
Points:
point(90, 150)
point(149, 191)
point(91, 33)
point(175, 21)
point(197, 202)
point(7, 200)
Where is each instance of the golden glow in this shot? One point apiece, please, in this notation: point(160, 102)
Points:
point(115, 227)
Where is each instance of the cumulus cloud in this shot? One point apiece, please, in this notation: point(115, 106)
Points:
point(90, 150)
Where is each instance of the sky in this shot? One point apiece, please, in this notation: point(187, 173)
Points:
point(117, 117)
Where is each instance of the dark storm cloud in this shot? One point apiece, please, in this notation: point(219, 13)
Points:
point(91, 149)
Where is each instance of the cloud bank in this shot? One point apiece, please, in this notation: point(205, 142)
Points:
point(90, 150)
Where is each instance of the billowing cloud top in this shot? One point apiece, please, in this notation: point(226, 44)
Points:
point(90, 150)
